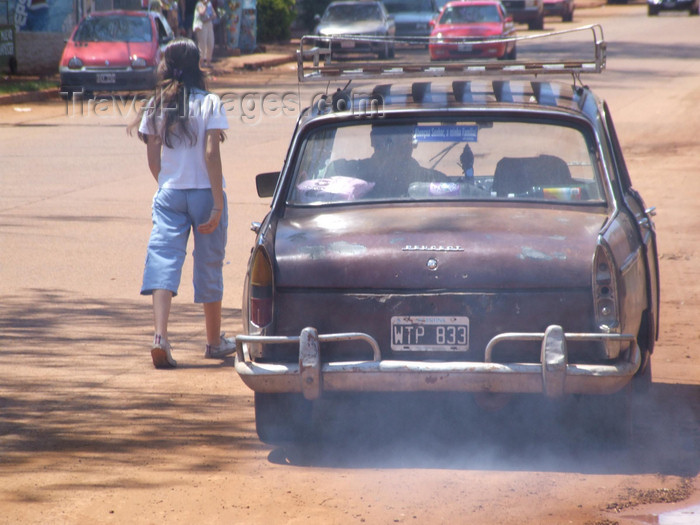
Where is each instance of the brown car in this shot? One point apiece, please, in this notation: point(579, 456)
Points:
point(475, 236)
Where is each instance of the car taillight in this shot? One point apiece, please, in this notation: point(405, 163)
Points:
point(605, 298)
point(261, 289)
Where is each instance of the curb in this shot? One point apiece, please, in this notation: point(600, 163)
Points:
point(270, 62)
point(28, 96)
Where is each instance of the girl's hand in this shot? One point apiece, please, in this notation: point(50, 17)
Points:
point(212, 223)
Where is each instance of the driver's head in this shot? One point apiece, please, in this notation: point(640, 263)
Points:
point(392, 140)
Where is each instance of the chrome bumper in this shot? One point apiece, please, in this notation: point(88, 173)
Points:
point(553, 376)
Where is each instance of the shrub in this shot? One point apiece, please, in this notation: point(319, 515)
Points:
point(274, 19)
point(309, 9)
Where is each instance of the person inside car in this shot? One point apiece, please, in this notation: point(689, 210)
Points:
point(391, 168)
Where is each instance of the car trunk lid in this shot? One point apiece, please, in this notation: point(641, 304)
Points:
point(437, 246)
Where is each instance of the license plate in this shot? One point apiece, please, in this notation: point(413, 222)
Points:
point(106, 78)
point(464, 47)
point(419, 333)
point(347, 44)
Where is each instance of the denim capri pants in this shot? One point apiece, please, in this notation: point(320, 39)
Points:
point(176, 213)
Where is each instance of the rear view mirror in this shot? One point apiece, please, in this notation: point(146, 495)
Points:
point(265, 183)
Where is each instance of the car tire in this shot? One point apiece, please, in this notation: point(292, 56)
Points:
point(569, 15)
point(282, 418)
point(652, 11)
point(536, 24)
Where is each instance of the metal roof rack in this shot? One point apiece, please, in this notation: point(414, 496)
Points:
point(316, 60)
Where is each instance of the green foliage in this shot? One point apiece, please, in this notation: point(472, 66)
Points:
point(274, 19)
point(8, 86)
point(309, 9)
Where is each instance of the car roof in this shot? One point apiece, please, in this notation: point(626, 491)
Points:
point(354, 2)
point(123, 12)
point(459, 3)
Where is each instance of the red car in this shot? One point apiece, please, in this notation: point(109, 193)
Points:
point(473, 28)
point(113, 51)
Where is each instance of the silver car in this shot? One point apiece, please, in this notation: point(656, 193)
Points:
point(368, 23)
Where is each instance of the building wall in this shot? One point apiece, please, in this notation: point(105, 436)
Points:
point(38, 52)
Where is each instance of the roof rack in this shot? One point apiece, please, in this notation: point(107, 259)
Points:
point(317, 62)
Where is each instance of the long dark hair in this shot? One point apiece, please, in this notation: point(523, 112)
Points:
point(178, 74)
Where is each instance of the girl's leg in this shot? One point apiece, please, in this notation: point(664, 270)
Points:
point(162, 299)
point(212, 320)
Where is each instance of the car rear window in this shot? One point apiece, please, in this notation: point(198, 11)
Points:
point(116, 28)
point(429, 160)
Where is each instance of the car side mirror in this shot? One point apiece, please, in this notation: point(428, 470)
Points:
point(317, 18)
point(265, 183)
point(432, 24)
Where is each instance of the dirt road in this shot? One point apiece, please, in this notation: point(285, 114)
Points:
point(90, 433)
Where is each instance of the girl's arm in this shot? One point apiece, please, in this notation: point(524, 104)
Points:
point(212, 156)
point(153, 148)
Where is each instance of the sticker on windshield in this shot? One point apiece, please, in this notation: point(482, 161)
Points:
point(439, 133)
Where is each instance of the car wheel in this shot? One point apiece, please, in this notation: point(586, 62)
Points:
point(513, 53)
point(652, 11)
point(569, 15)
point(282, 418)
point(537, 24)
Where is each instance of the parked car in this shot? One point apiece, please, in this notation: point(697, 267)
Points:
point(654, 7)
point(473, 28)
point(357, 19)
point(562, 8)
point(113, 51)
point(478, 235)
point(530, 12)
point(412, 16)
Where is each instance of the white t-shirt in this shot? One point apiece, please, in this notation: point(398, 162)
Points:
point(183, 167)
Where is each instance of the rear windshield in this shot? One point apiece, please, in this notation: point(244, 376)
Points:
point(455, 160)
point(408, 6)
point(115, 28)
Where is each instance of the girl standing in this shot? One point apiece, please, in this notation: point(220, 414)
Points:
point(203, 29)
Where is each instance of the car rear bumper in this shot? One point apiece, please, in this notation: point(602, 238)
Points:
point(525, 15)
point(107, 80)
point(671, 5)
point(554, 376)
point(556, 8)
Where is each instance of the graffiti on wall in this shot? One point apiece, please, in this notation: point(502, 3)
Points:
point(54, 16)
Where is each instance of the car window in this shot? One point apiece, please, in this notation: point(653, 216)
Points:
point(352, 13)
point(116, 28)
point(465, 14)
point(408, 6)
point(434, 160)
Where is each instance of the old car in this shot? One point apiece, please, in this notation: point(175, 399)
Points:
point(473, 28)
point(530, 12)
point(113, 51)
point(654, 7)
point(412, 17)
point(478, 235)
point(366, 19)
point(562, 8)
